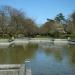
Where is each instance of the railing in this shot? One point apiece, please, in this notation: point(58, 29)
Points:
point(15, 69)
point(12, 69)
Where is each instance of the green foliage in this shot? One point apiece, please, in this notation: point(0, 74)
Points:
point(60, 18)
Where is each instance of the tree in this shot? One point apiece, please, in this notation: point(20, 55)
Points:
point(49, 27)
point(71, 24)
point(60, 18)
point(2, 22)
point(31, 28)
point(73, 19)
point(14, 22)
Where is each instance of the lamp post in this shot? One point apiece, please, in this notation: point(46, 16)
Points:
point(26, 61)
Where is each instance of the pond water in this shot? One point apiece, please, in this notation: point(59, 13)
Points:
point(45, 58)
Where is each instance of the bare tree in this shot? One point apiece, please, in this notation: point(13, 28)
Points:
point(15, 22)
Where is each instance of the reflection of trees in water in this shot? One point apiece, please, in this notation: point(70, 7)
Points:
point(46, 45)
point(71, 50)
point(31, 46)
point(2, 56)
point(48, 51)
point(17, 54)
point(56, 53)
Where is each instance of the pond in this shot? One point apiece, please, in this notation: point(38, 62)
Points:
point(45, 58)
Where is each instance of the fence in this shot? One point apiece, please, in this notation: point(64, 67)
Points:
point(12, 69)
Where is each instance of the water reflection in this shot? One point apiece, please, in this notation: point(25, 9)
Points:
point(59, 51)
point(17, 54)
point(57, 55)
point(46, 58)
point(54, 60)
point(71, 52)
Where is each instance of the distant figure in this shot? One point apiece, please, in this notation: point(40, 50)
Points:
point(12, 38)
point(52, 41)
point(69, 38)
